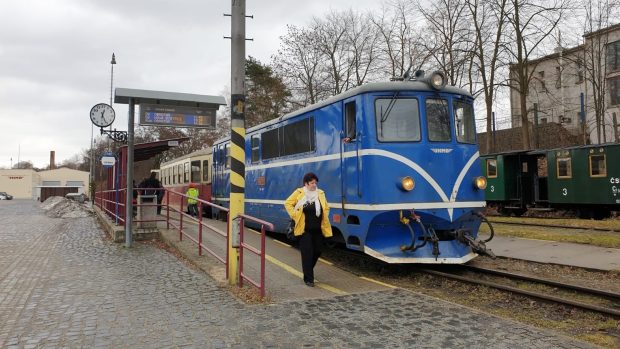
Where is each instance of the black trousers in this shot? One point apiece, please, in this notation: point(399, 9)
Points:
point(311, 246)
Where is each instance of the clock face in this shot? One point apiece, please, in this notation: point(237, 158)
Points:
point(102, 115)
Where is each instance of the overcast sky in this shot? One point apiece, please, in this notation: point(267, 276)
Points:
point(55, 59)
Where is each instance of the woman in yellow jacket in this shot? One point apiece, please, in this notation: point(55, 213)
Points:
point(307, 206)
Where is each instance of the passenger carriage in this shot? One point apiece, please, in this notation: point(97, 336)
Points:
point(196, 168)
point(407, 188)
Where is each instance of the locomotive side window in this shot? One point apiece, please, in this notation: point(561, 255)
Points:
point(227, 152)
point(270, 148)
point(491, 168)
point(255, 143)
point(598, 165)
point(464, 122)
point(298, 137)
point(205, 170)
point(438, 120)
point(196, 171)
point(349, 120)
point(564, 168)
point(398, 120)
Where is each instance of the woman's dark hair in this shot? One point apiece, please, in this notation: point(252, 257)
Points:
point(310, 176)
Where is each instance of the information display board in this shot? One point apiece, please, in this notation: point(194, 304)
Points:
point(170, 115)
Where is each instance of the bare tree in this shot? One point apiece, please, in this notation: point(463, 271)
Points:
point(362, 40)
point(399, 45)
point(331, 42)
point(450, 40)
point(532, 22)
point(298, 61)
point(488, 18)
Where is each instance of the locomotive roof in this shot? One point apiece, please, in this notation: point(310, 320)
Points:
point(407, 85)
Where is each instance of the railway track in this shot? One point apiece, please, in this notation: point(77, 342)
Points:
point(611, 298)
point(608, 302)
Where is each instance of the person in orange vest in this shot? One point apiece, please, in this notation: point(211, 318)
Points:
point(192, 202)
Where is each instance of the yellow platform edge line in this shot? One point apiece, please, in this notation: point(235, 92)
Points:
point(301, 275)
point(378, 282)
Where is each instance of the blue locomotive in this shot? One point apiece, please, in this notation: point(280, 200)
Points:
point(397, 160)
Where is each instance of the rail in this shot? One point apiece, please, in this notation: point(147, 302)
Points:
point(199, 220)
point(261, 253)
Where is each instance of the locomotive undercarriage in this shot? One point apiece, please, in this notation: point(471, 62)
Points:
point(432, 236)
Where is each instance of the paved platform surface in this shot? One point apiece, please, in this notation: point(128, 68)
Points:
point(63, 284)
point(579, 255)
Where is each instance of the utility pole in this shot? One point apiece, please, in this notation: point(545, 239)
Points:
point(237, 136)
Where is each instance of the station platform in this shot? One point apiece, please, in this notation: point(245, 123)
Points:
point(284, 278)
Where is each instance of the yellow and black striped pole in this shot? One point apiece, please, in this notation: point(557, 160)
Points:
point(237, 136)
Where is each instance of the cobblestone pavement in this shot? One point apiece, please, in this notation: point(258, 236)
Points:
point(62, 284)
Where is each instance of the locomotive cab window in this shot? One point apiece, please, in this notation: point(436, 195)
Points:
point(564, 168)
point(255, 144)
point(464, 122)
point(598, 165)
point(227, 154)
point(438, 120)
point(491, 168)
point(195, 171)
point(398, 120)
point(349, 120)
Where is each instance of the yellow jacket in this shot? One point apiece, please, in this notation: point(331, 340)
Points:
point(299, 217)
point(192, 194)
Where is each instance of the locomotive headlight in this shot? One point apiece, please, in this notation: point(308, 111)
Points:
point(437, 80)
point(480, 182)
point(407, 183)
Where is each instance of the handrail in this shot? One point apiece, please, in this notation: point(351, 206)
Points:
point(261, 253)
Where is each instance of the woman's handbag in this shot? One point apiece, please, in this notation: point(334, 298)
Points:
point(290, 231)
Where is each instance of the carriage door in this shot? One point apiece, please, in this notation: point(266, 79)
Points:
point(349, 150)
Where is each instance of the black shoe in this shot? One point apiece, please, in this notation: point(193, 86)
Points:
point(309, 283)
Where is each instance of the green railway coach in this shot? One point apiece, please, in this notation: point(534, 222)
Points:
point(585, 179)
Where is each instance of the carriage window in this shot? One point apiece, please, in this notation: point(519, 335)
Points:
point(298, 137)
point(564, 168)
point(491, 168)
point(186, 172)
point(349, 120)
point(270, 148)
point(464, 122)
point(205, 170)
point(196, 171)
point(598, 166)
point(179, 174)
point(438, 120)
point(255, 148)
point(398, 120)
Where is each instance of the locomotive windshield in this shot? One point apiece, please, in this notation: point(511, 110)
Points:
point(438, 120)
point(464, 121)
point(398, 119)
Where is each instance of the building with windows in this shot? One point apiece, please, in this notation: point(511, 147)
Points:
point(30, 184)
point(586, 77)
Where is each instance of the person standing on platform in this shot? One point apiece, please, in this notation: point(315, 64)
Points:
point(192, 204)
point(307, 206)
point(155, 187)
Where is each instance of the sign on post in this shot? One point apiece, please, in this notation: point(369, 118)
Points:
point(108, 159)
point(170, 115)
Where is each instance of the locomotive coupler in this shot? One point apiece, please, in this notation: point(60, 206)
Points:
point(478, 246)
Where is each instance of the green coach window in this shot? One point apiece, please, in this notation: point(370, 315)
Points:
point(598, 166)
point(564, 168)
point(491, 168)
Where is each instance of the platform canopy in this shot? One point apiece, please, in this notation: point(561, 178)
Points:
point(122, 96)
